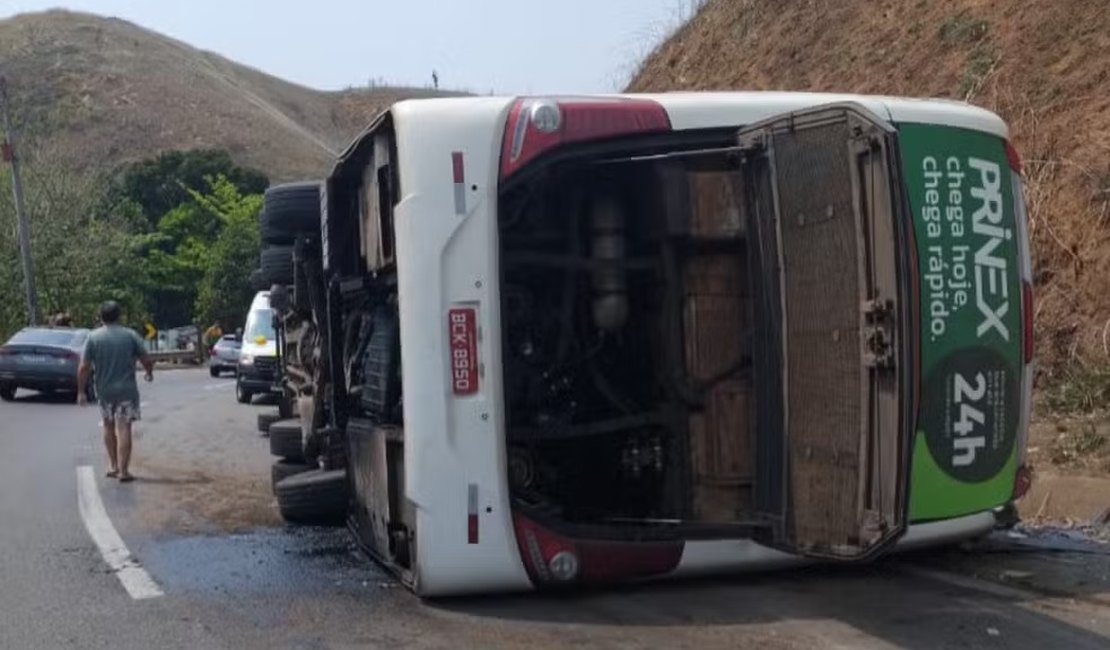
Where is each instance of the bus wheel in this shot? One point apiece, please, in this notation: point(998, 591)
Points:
point(285, 440)
point(265, 420)
point(313, 497)
point(283, 469)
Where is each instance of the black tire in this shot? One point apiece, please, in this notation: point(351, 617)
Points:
point(7, 392)
point(266, 419)
point(277, 265)
point(213, 371)
point(242, 395)
point(290, 210)
point(283, 469)
point(285, 440)
point(313, 497)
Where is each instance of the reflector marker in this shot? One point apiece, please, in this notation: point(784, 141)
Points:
point(460, 182)
point(472, 514)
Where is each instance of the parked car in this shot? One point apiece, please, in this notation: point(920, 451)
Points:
point(224, 355)
point(43, 359)
point(257, 365)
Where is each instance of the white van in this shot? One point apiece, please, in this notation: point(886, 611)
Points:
point(257, 370)
point(591, 339)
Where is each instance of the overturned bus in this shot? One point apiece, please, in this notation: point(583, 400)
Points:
point(559, 341)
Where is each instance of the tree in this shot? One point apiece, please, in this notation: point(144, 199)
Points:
point(161, 184)
point(83, 246)
point(93, 242)
point(224, 292)
point(188, 240)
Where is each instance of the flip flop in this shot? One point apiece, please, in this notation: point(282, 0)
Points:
point(112, 473)
point(126, 478)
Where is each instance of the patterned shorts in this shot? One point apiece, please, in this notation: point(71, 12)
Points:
point(125, 411)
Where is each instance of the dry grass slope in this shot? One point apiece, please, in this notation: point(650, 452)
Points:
point(107, 91)
point(1044, 65)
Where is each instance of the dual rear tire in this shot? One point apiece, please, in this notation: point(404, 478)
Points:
point(305, 494)
point(316, 497)
point(289, 211)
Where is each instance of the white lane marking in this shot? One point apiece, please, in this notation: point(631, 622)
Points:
point(220, 386)
point(135, 579)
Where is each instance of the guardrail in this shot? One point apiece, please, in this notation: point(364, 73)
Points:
point(176, 356)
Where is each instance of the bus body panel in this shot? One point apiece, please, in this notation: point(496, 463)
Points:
point(454, 445)
point(960, 189)
point(706, 558)
point(455, 449)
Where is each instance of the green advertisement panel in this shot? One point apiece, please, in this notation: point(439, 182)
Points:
point(959, 186)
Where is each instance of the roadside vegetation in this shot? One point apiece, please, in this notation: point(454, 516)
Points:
point(172, 238)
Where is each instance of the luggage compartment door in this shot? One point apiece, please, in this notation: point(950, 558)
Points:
point(822, 198)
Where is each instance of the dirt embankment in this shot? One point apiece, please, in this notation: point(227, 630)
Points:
point(1070, 456)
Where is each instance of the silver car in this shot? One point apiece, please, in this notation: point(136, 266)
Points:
point(224, 355)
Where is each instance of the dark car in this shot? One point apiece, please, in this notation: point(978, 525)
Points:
point(224, 355)
point(43, 359)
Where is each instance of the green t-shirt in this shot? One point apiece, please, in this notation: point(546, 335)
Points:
point(113, 350)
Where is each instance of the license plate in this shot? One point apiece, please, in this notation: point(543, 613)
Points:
point(35, 358)
point(463, 332)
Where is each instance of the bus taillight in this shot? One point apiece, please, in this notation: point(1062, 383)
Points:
point(552, 559)
point(536, 125)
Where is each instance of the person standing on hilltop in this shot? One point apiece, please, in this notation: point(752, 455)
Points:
point(110, 356)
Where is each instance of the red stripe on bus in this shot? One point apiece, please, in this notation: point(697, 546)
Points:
point(472, 529)
point(457, 165)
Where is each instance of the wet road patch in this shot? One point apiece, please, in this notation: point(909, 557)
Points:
point(277, 561)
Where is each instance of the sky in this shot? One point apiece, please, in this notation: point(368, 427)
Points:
point(504, 46)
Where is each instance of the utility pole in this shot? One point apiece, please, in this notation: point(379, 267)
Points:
point(10, 156)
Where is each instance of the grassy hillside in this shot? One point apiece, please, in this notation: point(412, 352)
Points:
point(108, 91)
point(1044, 65)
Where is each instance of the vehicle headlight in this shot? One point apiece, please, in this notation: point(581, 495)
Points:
point(246, 359)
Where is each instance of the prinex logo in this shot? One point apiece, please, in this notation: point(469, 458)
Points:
point(991, 279)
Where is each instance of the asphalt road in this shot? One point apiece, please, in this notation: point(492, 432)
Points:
point(201, 522)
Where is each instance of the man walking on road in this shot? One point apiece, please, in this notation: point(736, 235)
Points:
point(110, 356)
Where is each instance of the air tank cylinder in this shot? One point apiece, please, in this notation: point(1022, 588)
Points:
point(610, 277)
